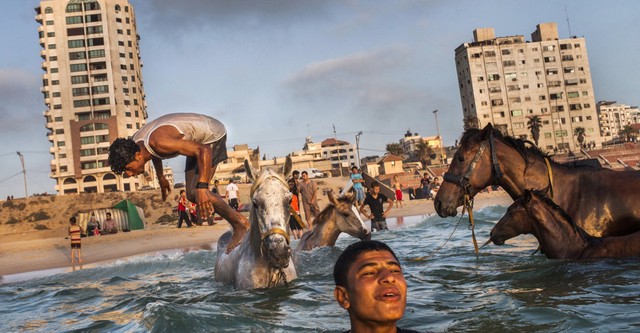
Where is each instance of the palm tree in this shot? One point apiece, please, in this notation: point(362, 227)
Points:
point(580, 132)
point(424, 153)
point(395, 149)
point(534, 124)
point(627, 132)
point(470, 122)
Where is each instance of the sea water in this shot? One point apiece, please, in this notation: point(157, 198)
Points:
point(449, 290)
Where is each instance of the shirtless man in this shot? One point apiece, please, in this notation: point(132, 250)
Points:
point(202, 140)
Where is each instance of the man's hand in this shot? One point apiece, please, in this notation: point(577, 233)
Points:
point(165, 188)
point(205, 205)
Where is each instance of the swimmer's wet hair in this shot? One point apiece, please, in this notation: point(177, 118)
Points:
point(351, 253)
point(122, 152)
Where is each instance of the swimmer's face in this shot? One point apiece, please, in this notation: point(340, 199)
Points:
point(136, 166)
point(377, 290)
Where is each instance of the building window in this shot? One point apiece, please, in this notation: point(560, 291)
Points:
point(555, 96)
point(567, 58)
point(508, 63)
point(86, 140)
point(74, 19)
point(53, 58)
point(98, 65)
point(95, 41)
point(75, 32)
point(91, 6)
point(51, 34)
point(129, 126)
point(119, 31)
point(96, 54)
point(511, 77)
point(80, 91)
point(552, 71)
point(549, 48)
point(79, 79)
point(573, 94)
point(506, 52)
point(102, 138)
point(493, 77)
point(50, 22)
point(550, 59)
point(55, 82)
point(568, 70)
point(51, 46)
point(78, 67)
point(88, 152)
point(496, 102)
point(74, 7)
point(100, 90)
point(76, 43)
point(101, 101)
point(105, 114)
point(81, 103)
point(48, 10)
point(516, 113)
point(77, 55)
point(54, 70)
point(94, 30)
point(93, 18)
point(61, 143)
point(99, 77)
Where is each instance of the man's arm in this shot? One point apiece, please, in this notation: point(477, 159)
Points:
point(390, 202)
point(165, 187)
point(361, 209)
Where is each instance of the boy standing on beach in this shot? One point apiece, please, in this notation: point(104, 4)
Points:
point(375, 200)
point(76, 240)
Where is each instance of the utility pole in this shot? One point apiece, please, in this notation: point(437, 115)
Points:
point(24, 173)
point(358, 147)
point(337, 149)
point(435, 112)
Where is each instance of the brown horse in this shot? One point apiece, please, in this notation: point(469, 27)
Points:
point(559, 237)
point(603, 202)
point(339, 216)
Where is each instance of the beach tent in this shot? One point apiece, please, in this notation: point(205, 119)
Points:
point(134, 213)
point(127, 216)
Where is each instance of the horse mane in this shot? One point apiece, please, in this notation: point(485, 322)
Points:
point(525, 148)
point(323, 216)
point(542, 196)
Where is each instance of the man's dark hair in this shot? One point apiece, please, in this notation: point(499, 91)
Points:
point(305, 173)
point(351, 253)
point(375, 184)
point(182, 191)
point(108, 214)
point(122, 152)
point(296, 172)
point(354, 167)
point(72, 219)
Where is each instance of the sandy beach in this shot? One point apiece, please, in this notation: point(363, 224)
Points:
point(32, 251)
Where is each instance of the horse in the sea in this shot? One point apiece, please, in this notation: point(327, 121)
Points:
point(263, 258)
point(339, 216)
point(559, 237)
point(601, 201)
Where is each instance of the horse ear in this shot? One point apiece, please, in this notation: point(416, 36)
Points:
point(287, 167)
point(486, 131)
point(251, 172)
point(332, 200)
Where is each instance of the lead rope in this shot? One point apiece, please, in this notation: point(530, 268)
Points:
point(468, 203)
point(443, 244)
point(550, 173)
point(280, 275)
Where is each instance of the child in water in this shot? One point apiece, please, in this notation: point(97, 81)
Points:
point(74, 234)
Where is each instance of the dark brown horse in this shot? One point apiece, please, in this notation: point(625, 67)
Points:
point(601, 201)
point(338, 217)
point(559, 237)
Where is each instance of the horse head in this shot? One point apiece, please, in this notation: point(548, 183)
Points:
point(473, 167)
point(348, 218)
point(269, 215)
point(516, 221)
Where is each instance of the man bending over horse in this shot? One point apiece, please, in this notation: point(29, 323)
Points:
point(202, 140)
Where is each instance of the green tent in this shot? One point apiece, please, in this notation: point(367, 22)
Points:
point(133, 211)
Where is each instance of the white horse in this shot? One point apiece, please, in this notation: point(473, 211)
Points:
point(263, 258)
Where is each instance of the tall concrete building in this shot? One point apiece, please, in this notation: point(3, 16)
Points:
point(505, 80)
point(614, 117)
point(92, 87)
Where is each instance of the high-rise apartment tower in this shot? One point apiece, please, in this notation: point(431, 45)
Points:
point(92, 87)
point(506, 80)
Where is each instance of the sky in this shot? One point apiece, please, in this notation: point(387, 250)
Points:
point(275, 72)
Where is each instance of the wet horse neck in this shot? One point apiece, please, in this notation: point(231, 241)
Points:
point(557, 234)
point(519, 175)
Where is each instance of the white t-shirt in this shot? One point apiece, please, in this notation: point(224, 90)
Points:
point(232, 191)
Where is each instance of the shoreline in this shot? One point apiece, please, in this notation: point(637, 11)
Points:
point(19, 256)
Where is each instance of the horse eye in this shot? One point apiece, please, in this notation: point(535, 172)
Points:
point(460, 158)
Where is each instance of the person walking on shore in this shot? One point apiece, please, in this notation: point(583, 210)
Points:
point(308, 189)
point(233, 195)
point(202, 139)
point(75, 235)
point(183, 203)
